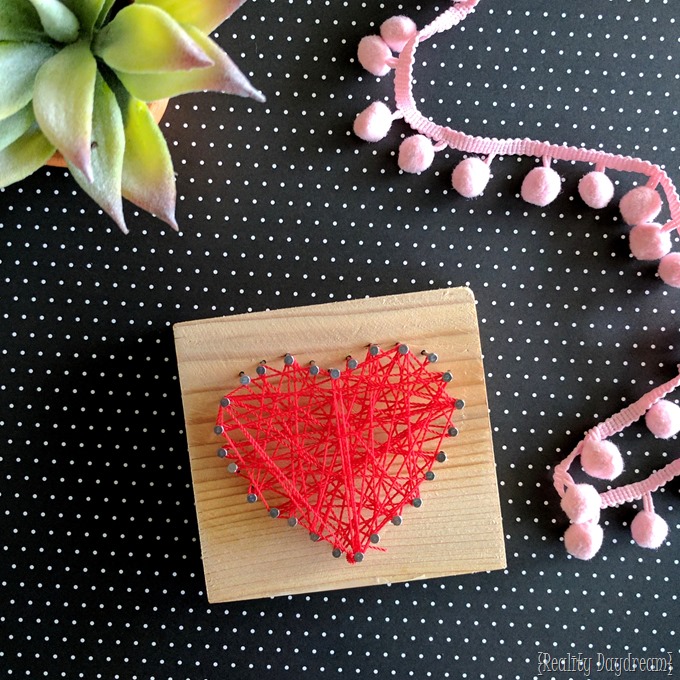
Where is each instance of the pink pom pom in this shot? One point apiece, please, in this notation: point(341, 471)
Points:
point(648, 529)
point(581, 503)
point(416, 154)
point(373, 123)
point(649, 242)
point(601, 459)
point(639, 205)
point(397, 31)
point(470, 177)
point(541, 186)
point(669, 269)
point(583, 540)
point(663, 419)
point(373, 54)
point(596, 189)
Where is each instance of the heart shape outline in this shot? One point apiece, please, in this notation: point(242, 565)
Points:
point(339, 452)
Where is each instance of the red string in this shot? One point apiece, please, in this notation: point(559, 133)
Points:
point(342, 452)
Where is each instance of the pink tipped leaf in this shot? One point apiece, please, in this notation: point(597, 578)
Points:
point(206, 15)
point(108, 145)
point(63, 100)
point(224, 76)
point(58, 21)
point(145, 39)
point(148, 176)
point(24, 156)
point(19, 64)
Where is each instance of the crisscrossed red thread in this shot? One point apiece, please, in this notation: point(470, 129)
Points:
point(340, 452)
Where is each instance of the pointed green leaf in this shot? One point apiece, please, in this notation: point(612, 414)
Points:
point(108, 144)
point(148, 176)
point(145, 39)
point(63, 101)
point(20, 22)
point(206, 15)
point(87, 12)
point(59, 22)
point(224, 76)
point(19, 63)
point(13, 127)
point(104, 12)
point(24, 156)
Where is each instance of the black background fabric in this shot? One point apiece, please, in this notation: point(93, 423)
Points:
point(279, 206)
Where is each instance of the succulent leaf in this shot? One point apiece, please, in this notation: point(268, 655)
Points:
point(13, 127)
point(145, 39)
point(148, 176)
point(108, 142)
point(224, 76)
point(87, 12)
point(63, 101)
point(104, 13)
point(20, 22)
point(24, 156)
point(54, 97)
point(59, 22)
point(19, 63)
point(206, 15)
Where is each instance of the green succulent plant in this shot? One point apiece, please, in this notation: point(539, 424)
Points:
point(77, 76)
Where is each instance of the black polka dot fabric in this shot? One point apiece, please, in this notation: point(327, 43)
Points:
point(281, 205)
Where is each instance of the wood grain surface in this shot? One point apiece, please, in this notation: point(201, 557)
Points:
point(247, 554)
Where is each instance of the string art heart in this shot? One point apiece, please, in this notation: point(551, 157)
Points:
point(340, 452)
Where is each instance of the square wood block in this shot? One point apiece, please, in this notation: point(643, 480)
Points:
point(247, 554)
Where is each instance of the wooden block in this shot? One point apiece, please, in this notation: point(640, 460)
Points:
point(246, 554)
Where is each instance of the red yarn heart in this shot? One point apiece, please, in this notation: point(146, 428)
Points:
point(340, 452)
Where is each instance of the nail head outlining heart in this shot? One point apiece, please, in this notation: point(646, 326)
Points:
point(639, 207)
point(340, 452)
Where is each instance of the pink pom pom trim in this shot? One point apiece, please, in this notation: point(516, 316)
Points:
point(373, 54)
point(669, 269)
point(596, 189)
point(601, 459)
point(541, 186)
point(648, 529)
point(581, 503)
point(470, 177)
point(649, 241)
point(397, 31)
point(416, 154)
point(639, 205)
point(663, 419)
point(373, 123)
point(583, 540)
